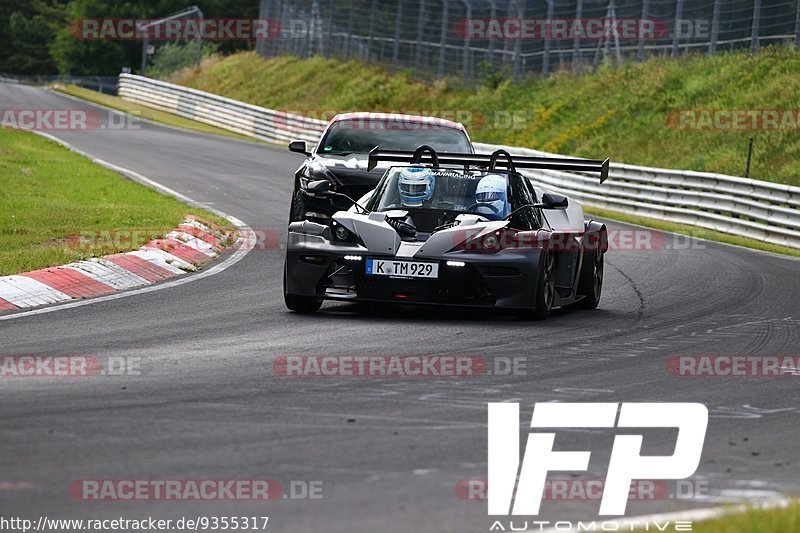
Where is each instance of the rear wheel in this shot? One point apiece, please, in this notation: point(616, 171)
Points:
point(590, 285)
point(298, 303)
point(546, 291)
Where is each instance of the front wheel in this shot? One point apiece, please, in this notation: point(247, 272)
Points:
point(304, 305)
point(298, 210)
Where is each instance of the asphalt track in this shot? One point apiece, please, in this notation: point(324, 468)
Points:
point(208, 405)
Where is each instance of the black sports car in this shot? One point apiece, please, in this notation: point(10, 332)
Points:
point(451, 229)
point(340, 156)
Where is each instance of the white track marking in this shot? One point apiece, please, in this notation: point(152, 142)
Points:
point(23, 291)
point(106, 272)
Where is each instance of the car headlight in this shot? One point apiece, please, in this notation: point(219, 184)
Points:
point(342, 234)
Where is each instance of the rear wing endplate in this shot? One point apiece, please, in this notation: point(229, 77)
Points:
point(427, 155)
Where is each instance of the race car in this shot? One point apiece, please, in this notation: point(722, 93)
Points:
point(341, 154)
point(451, 229)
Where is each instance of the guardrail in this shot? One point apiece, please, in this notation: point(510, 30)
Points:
point(739, 206)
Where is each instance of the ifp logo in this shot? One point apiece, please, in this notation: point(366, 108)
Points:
point(626, 463)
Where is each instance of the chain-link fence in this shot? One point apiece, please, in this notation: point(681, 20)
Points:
point(472, 38)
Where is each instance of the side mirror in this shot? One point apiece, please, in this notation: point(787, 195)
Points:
point(300, 147)
point(319, 188)
point(554, 201)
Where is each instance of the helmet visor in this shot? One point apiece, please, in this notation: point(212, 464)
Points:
point(490, 196)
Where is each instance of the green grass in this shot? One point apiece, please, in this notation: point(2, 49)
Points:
point(783, 520)
point(619, 112)
point(52, 196)
point(143, 112)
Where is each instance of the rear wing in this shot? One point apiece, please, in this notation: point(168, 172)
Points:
point(427, 155)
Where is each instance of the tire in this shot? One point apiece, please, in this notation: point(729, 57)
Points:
point(304, 305)
point(298, 209)
point(590, 284)
point(546, 289)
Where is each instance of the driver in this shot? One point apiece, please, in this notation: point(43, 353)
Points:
point(490, 195)
point(415, 185)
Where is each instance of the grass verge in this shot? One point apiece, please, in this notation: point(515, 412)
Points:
point(147, 113)
point(57, 207)
point(779, 519)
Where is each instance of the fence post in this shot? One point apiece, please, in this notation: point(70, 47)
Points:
point(712, 44)
point(263, 13)
point(676, 31)
point(518, 43)
point(371, 28)
point(546, 56)
point(443, 37)
point(397, 21)
point(492, 17)
point(349, 43)
point(797, 25)
point(199, 52)
point(418, 50)
point(577, 43)
point(465, 57)
point(756, 24)
point(640, 50)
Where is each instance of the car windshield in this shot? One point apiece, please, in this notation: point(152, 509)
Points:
point(362, 135)
point(419, 188)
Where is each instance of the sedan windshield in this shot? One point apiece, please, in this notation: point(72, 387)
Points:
point(362, 135)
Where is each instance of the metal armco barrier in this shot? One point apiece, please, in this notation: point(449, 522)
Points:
point(760, 210)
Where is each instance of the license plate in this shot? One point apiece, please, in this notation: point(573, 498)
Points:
point(402, 269)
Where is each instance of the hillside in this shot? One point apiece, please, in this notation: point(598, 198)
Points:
point(628, 113)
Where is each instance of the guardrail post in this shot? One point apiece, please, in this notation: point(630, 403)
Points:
point(756, 24)
point(418, 49)
point(712, 44)
point(640, 50)
point(676, 30)
point(443, 37)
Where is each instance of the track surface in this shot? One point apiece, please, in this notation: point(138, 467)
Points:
point(389, 451)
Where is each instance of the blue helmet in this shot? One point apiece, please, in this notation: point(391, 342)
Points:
point(415, 185)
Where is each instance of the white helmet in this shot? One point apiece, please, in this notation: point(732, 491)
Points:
point(415, 185)
point(490, 195)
